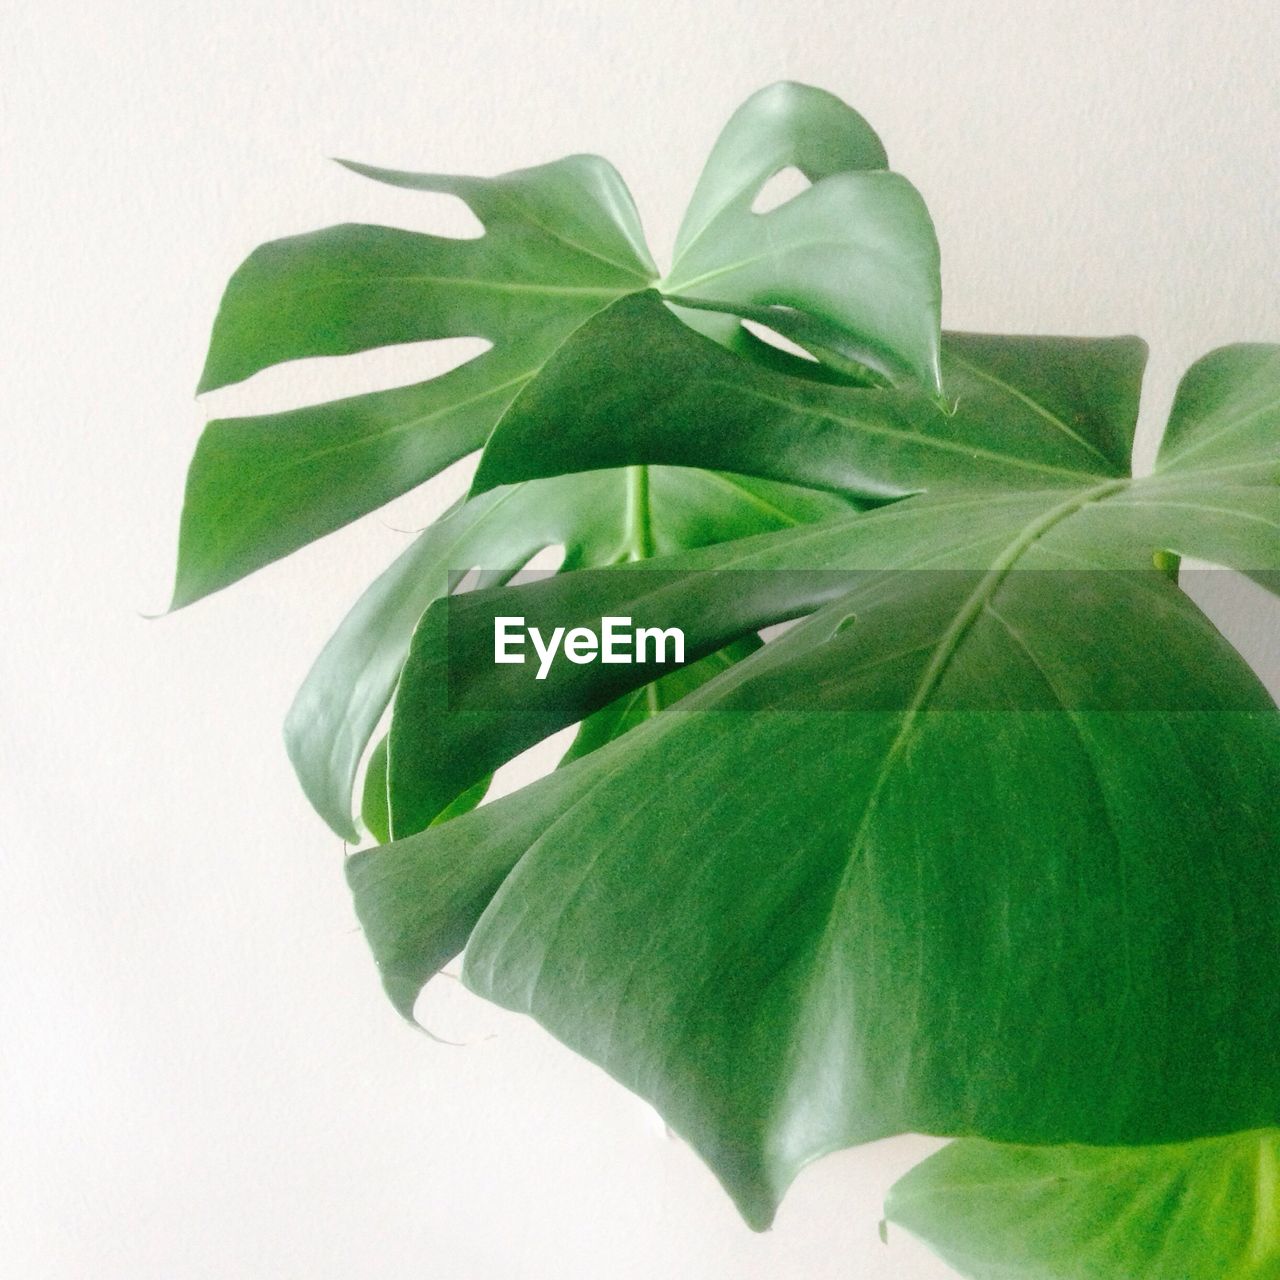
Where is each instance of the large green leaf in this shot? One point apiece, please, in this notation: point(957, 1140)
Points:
point(558, 238)
point(1026, 412)
point(983, 847)
point(825, 945)
point(560, 241)
point(855, 251)
point(1181, 1212)
point(599, 518)
point(1020, 412)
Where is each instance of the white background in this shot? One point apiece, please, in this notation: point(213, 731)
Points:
point(198, 1074)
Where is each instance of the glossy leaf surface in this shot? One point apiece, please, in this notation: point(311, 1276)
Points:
point(1019, 412)
point(560, 241)
point(985, 847)
point(855, 250)
point(599, 518)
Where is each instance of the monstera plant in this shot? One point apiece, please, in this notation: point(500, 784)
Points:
point(985, 844)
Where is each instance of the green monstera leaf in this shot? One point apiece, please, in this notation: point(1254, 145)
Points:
point(560, 243)
point(829, 268)
point(1206, 1208)
point(982, 845)
point(950, 856)
point(599, 518)
point(1020, 412)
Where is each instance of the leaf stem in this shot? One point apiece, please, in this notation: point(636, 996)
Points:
point(639, 542)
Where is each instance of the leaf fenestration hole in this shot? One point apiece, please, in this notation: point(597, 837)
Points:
point(437, 213)
point(451, 1015)
point(531, 764)
point(447, 215)
point(775, 339)
point(775, 629)
point(784, 186)
point(316, 379)
point(546, 562)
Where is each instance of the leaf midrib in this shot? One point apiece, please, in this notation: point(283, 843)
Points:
point(1034, 405)
point(468, 282)
point(771, 250)
point(642, 273)
point(944, 652)
point(911, 437)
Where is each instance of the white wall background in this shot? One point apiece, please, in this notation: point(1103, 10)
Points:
point(198, 1074)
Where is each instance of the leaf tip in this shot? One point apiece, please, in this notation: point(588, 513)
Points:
point(182, 596)
point(484, 481)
